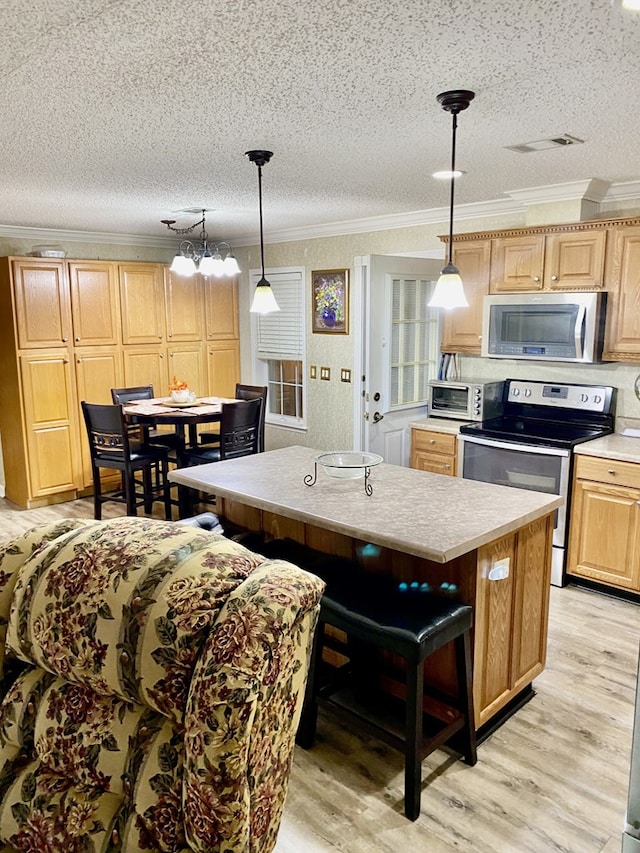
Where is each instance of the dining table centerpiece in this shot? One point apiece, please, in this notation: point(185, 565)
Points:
point(179, 390)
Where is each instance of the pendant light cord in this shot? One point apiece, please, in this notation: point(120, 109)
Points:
point(453, 180)
point(260, 206)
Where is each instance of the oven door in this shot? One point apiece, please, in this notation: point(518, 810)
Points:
point(522, 466)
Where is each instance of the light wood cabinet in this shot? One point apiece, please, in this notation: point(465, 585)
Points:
point(576, 256)
point(575, 261)
point(42, 305)
point(188, 360)
point(517, 264)
point(184, 304)
point(623, 333)
point(462, 327)
point(71, 330)
point(98, 370)
point(604, 541)
point(50, 422)
point(556, 261)
point(95, 304)
point(221, 309)
point(434, 451)
point(511, 616)
point(142, 299)
point(223, 368)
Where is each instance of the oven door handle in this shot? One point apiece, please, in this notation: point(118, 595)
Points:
point(510, 445)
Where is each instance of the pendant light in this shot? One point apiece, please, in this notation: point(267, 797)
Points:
point(449, 292)
point(264, 302)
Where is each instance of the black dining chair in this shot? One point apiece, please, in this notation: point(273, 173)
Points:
point(245, 392)
point(114, 445)
point(239, 436)
point(122, 396)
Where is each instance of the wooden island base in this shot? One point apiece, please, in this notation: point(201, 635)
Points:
point(488, 546)
point(510, 601)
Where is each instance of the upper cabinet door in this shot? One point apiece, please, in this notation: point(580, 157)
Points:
point(43, 311)
point(462, 327)
point(94, 303)
point(574, 261)
point(623, 338)
point(183, 302)
point(142, 303)
point(221, 309)
point(517, 263)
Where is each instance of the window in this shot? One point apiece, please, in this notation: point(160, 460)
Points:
point(414, 341)
point(278, 346)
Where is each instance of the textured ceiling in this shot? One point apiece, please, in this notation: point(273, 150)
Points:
point(118, 113)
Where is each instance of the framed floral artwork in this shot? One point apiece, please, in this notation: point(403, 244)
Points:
point(330, 301)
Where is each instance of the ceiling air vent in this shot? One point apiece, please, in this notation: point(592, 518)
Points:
point(542, 144)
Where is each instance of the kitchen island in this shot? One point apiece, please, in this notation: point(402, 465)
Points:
point(485, 545)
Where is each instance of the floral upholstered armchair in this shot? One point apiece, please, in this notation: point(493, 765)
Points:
point(162, 675)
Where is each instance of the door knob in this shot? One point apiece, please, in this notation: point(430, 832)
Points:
point(377, 417)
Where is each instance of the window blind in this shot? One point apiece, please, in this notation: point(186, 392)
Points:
point(281, 335)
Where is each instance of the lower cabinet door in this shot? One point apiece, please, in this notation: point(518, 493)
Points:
point(50, 423)
point(97, 372)
point(605, 525)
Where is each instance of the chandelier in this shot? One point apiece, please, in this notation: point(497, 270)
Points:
point(201, 255)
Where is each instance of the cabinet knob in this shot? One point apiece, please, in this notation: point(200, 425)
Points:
point(611, 471)
point(432, 441)
point(554, 278)
point(78, 339)
point(64, 340)
point(447, 466)
point(536, 278)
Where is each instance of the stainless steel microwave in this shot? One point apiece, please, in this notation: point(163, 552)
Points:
point(544, 326)
point(465, 401)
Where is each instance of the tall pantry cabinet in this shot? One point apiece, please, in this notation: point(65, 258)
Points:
point(71, 330)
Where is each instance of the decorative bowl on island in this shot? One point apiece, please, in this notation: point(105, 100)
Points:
point(347, 464)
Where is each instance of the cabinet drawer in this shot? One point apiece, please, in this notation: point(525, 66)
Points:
point(435, 463)
point(434, 442)
point(609, 471)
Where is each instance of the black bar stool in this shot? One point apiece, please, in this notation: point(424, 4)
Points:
point(375, 612)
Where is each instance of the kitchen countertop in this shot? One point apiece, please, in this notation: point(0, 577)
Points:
point(427, 515)
point(438, 425)
point(625, 448)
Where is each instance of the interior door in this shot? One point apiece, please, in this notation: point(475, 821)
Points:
point(400, 350)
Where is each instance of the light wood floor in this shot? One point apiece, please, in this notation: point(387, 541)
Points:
point(553, 778)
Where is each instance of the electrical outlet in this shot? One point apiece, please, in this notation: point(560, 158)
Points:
point(325, 373)
point(345, 374)
point(312, 371)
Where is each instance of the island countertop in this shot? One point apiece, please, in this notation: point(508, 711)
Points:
point(415, 512)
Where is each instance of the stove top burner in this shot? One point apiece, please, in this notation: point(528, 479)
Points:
point(557, 415)
point(533, 431)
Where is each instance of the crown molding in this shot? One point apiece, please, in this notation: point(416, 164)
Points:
point(621, 192)
point(411, 219)
point(593, 189)
point(50, 235)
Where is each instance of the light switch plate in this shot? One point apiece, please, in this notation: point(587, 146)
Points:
point(325, 373)
point(312, 371)
point(345, 374)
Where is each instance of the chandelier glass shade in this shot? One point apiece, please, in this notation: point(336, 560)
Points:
point(449, 290)
point(264, 302)
point(200, 255)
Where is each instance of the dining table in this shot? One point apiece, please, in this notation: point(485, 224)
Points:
point(184, 418)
